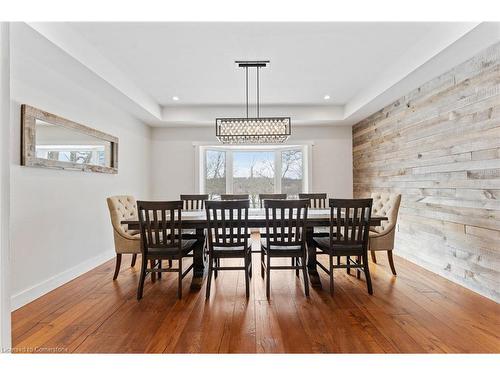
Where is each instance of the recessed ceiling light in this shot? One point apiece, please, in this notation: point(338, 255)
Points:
point(326, 97)
point(175, 98)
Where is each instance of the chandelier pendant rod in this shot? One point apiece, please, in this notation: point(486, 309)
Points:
point(246, 85)
point(258, 101)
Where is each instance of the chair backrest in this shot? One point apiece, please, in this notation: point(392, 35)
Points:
point(350, 222)
point(270, 196)
point(385, 204)
point(227, 223)
point(285, 222)
point(193, 201)
point(122, 207)
point(160, 224)
point(232, 197)
point(316, 200)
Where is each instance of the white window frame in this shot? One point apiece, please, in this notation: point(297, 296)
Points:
point(305, 147)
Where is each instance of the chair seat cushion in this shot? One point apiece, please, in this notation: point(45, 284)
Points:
point(186, 245)
point(296, 249)
point(341, 249)
point(236, 251)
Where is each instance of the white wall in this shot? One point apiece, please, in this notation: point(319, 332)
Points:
point(60, 225)
point(173, 157)
point(5, 337)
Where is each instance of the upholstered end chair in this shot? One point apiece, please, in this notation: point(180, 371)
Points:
point(381, 238)
point(124, 207)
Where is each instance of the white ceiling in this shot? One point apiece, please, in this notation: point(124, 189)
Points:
point(361, 66)
point(195, 61)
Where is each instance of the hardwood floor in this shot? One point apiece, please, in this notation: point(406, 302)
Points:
point(415, 312)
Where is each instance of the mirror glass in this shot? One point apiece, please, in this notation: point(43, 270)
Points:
point(59, 143)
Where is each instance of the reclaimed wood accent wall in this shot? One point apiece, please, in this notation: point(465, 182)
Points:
point(439, 146)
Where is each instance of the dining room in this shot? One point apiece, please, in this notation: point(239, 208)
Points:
point(250, 187)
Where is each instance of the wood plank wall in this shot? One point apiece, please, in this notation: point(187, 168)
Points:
point(439, 146)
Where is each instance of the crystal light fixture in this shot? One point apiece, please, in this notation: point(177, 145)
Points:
point(253, 130)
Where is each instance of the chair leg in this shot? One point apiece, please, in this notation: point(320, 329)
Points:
point(348, 262)
point(205, 248)
point(262, 263)
point(142, 277)
point(268, 277)
point(358, 272)
point(391, 262)
point(153, 274)
point(374, 258)
point(170, 263)
point(250, 266)
point(159, 267)
point(209, 276)
point(296, 263)
point(331, 275)
point(247, 276)
point(179, 286)
point(306, 278)
point(367, 274)
point(134, 258)
point(117, 265)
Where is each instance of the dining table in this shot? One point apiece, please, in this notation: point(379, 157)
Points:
point(196, 221)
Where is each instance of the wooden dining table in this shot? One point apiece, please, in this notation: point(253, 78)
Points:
point(196, 220)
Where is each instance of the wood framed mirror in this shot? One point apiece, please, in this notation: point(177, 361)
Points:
point(50, 141)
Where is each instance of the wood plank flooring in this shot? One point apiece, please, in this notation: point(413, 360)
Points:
point(415, 312)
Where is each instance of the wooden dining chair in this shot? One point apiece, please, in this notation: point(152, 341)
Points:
point(269, 196)
point(349, 228)
point(161, 238)
point(232, 197)
point(262, 197)
point(228, 234)
point(316, 200)
point(193, 201)
point(285, 237)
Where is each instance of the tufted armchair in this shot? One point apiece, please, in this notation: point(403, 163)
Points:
point(124, 207)
point(381, 238)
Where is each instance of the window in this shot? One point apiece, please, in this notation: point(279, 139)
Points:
point(292, 172)
point(253, 170)
point(253, 173)
point(215, 173)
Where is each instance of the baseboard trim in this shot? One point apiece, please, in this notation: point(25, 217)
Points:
point(30, 294)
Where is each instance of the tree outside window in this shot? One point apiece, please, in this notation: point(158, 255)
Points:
point(253, 171)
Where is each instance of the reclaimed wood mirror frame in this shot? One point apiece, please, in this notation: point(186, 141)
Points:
point(29, 117)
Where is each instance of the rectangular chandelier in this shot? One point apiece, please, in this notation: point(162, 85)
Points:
point(253, 130)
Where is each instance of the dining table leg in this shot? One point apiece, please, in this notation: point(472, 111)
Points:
point(311, 259)
point(198, 261)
